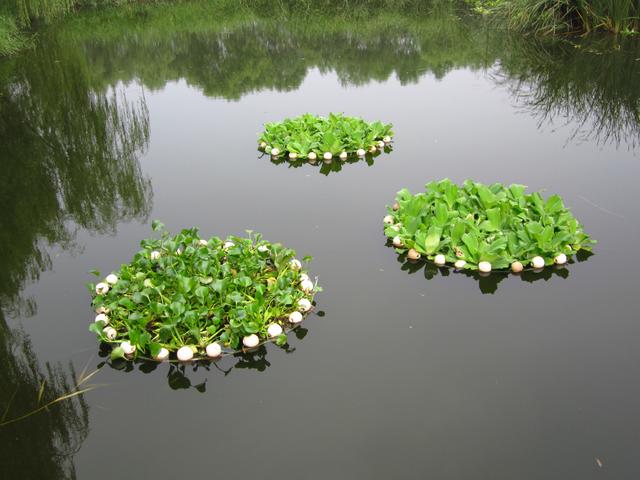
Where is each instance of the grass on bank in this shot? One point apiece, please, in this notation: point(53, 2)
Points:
point(12, 39)
point(564, 17)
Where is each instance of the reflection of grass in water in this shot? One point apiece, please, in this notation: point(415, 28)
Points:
point(44, 416)
point(589, 84)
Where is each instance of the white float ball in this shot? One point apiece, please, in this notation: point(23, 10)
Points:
point(101, 317)
point(306, 285)
point(372, 149)
point(274, 330)
point(275, 152)
point(295, 317)
point(227, 245)
point(517, 267)
point(162, 355)
point(560, 259)
point(127, 348)
point(295, 264)
point(343, 156)
point(112, 279)
point(155, 255)
point(360, 152)
point(102, 310)
point(327, 155)
point(439, 260)
point(293, 155)
point(110, 332)
point(251, 341)
point(303, 277)
point(460, 264)
point(537, 262)
point(381, 144)
point(387, 139)
point(484, 267)
point(213, 350)
point(185, 354)
point(263, 248)
point(102, 288)
point(263, 145)
point(397, 241)
point(312, 156)
point(304, 305)
point(388, 219)
point(202, 242)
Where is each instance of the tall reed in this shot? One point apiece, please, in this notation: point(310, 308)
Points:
point(570, 16)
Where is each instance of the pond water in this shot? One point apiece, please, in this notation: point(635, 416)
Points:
point(405, 371)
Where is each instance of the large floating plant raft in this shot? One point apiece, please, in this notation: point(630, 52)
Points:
point(313, 137)
point(484, 227)
point(187, 297)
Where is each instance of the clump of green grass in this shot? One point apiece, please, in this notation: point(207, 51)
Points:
point(480, 227)
point(570, 16)
point(194, 297)
point(310, 136)
point(12, 40)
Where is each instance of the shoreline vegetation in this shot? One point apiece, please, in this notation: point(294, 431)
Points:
point(21, 19)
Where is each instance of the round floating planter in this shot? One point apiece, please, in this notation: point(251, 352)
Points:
point(484, 227)
point(310, 137)
point(187, 298)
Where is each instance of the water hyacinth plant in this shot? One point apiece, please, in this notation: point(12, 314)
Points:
point(196, 298)
point(315, 138)
point(481, 227)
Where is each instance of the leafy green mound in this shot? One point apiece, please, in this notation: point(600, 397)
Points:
point(314, 137)
point(475, 223)
point(211, 295)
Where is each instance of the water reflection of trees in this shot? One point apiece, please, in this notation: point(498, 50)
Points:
point(69, 157)
point(246, 53)
point(43, 445)
point(69, 160)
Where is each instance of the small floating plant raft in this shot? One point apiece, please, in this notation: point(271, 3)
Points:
point(192, 298)
point(484, 227)
point(313, 137)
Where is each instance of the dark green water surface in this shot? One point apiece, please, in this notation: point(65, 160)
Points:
point(407, 372)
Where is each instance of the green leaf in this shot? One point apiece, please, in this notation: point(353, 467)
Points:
point(157, 225)
point(117, 352)
point(432, 240)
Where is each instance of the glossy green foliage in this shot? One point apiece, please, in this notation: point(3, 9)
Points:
point(183, 290)
point(491, 223)
point(334, 134)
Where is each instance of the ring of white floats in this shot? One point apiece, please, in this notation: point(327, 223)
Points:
point(275, 152)
point(537, 263)
point(188, 353)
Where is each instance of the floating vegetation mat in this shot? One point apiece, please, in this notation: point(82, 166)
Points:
point(318, 138)
point(484, 227)
point(191, 298)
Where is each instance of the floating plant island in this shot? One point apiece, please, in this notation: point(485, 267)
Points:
point(317, 138)
point(484, 227)
point(191, 298)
